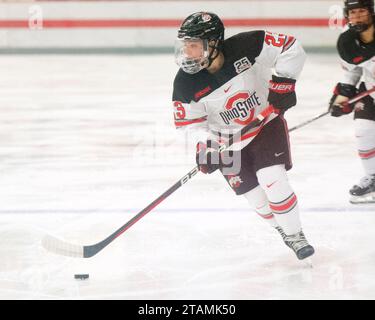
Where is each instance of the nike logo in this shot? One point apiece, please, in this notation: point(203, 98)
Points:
point(270, 185)
point(278, 154)
point(226, 90)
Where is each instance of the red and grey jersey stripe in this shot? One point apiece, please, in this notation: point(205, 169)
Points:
point(289, 41)
point(185, 122)
point(249, 134)
point(253, 133)
point(366, 154)
point(284, 206)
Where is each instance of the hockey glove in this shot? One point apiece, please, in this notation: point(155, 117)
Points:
point(341, 94)
point(208, 156)
point(281, 93)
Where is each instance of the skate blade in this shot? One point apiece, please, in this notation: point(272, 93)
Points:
point(369, 198)
point(307, 263)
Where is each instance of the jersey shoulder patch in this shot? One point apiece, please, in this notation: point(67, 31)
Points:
point(245, 44)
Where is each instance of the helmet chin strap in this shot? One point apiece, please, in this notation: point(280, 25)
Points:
point(360, 27)
point(211, 57)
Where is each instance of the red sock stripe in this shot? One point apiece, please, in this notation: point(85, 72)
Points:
point(266, 216)
point(284, 206)
point(366, 154)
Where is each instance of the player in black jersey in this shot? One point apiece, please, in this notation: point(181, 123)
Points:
point(222, 85)
point(356, 47)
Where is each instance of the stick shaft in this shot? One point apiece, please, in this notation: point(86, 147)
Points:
point(64, 248)
point(89, 251)
point(350, 101)
point(361, 95)
point(308, 121)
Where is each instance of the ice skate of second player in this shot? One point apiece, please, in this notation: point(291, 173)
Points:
point(368, 198)
point(364, 191)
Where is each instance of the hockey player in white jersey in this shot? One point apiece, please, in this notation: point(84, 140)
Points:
point(356, 47)
point(223, 85)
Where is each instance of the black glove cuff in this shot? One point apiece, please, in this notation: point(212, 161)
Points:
point(282, 79)
point(346, 90)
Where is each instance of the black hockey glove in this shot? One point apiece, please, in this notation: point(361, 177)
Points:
point(338, 107)
point(281, 93)
point(208, 157)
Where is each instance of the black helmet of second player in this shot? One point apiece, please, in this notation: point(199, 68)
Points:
point(199, 32)
point(355, 4)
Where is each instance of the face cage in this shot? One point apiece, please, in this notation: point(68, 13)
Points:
point(192, 64)
point(360, 27)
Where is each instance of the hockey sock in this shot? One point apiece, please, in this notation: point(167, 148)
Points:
point(258, 200)
point(365, 136)
point(282, 200)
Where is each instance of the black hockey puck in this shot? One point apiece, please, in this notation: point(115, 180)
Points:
point(81, 276)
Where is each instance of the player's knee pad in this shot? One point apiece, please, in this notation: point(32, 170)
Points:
point(274, 181)
point(365, 138)
point(365, 130)
point(267, 176)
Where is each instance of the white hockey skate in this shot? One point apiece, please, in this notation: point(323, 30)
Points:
point(364, 191)
point(298, 243)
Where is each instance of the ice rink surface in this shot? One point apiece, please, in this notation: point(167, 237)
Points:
point(88, 141)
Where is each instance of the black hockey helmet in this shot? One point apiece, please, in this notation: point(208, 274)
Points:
point(204, 26)
point(355, 4)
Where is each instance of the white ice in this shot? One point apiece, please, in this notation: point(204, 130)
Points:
point(88, 141)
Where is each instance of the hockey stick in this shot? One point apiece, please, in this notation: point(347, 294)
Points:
point(350, 101)
point(61, 247)
point(308, 121)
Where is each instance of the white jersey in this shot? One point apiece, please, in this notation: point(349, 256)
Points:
point(209, 105)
